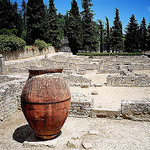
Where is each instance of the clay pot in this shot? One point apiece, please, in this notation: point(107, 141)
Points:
point(45, 102)
point(34, 72)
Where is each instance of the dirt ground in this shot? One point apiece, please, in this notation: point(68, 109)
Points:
point(110, 134)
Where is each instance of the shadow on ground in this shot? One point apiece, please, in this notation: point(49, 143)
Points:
point(22, 133)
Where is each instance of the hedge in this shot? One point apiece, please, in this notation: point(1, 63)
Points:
point(109, 54)
point(40, 44)
point(11, 43)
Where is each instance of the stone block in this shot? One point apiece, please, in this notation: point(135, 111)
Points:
point(85, 85)
point(136, 110)
point(32, 142)
point(87, 145)
point(105, 113)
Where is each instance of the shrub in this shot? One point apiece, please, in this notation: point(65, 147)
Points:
point(109, 54)
point(49, 44)
point(11, 43)
point(40, 44)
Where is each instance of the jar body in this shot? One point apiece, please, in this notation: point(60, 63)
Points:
point(45, 102)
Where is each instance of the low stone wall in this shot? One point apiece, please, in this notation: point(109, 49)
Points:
point(136, 110)
point(10, 92)
point(1, 64)
point(81, 105)
point(128, 81)
point(27, 52)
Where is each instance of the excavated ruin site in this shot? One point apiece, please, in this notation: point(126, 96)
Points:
point(110, 102)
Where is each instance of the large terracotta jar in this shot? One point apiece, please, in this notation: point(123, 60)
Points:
point(45, 102)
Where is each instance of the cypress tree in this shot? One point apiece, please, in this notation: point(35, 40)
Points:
point(101, 35)
point(53, 29)
point(90, 41)
point(131, 35)
point(107, 35)
point(74, 28)
point(143, 35)
point(148, 37)
point(10, 20)
point(23, 11)
point(35, 20)
point(116, 34)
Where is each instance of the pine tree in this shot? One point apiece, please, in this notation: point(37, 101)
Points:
point(143, 35)
point(148, 37)
point(35, 20)
point(116, 34)
point(131, 35)
point(74, 28)
point(90, 41)
point(107, 35)
point(53, 29)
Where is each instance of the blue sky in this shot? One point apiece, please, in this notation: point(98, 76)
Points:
point(102, 8)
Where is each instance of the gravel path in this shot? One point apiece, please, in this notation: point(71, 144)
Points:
point(102, 134)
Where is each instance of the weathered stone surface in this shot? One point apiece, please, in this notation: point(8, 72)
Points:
point(98, 85)
point(87, 145)
point(136, 110)
point(105, 113)
point(128, 81)
point(33, 142)
point(93, 132)
point(73, 144)
point(81, 105)
point(1, 64)
point(9, 95)
point(85, 85)
point(94, 93)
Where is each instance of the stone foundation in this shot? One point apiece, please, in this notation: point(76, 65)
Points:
point(81, 105)
point(1, 64)
point(26, 53)
point(136, 110)
point(10, 92)
point(128, 81)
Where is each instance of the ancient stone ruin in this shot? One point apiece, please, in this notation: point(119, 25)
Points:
point(82, 74)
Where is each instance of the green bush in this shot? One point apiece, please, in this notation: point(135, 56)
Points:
point(40, 44)
point(11, 43)
point(49, 44)
point(109, 54)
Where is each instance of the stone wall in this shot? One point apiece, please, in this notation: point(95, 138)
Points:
point(1, 64)
point(10, 92)
point(136, 110)
point(27, 52)
point(128, 81)
point(81, 105)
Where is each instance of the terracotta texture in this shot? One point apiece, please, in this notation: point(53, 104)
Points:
point(45, 102)
point(33, 72)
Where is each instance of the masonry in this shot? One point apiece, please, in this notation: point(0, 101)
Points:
point(1, 64)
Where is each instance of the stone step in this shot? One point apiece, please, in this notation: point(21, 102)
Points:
point(105, 113)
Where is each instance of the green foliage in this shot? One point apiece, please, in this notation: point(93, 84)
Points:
point(53, 35)
point(109, 54)
point(35, 20)
point(148, 37)
point(90, 41)
point(107, 35)
point(40, 44)
point(11, 43)
point(116, 33)
point(9, 17)
point(143, 35)
point(49, 44)
point(74, 28)
point(131, 35)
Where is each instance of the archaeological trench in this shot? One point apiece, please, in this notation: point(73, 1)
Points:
point(119, 72)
